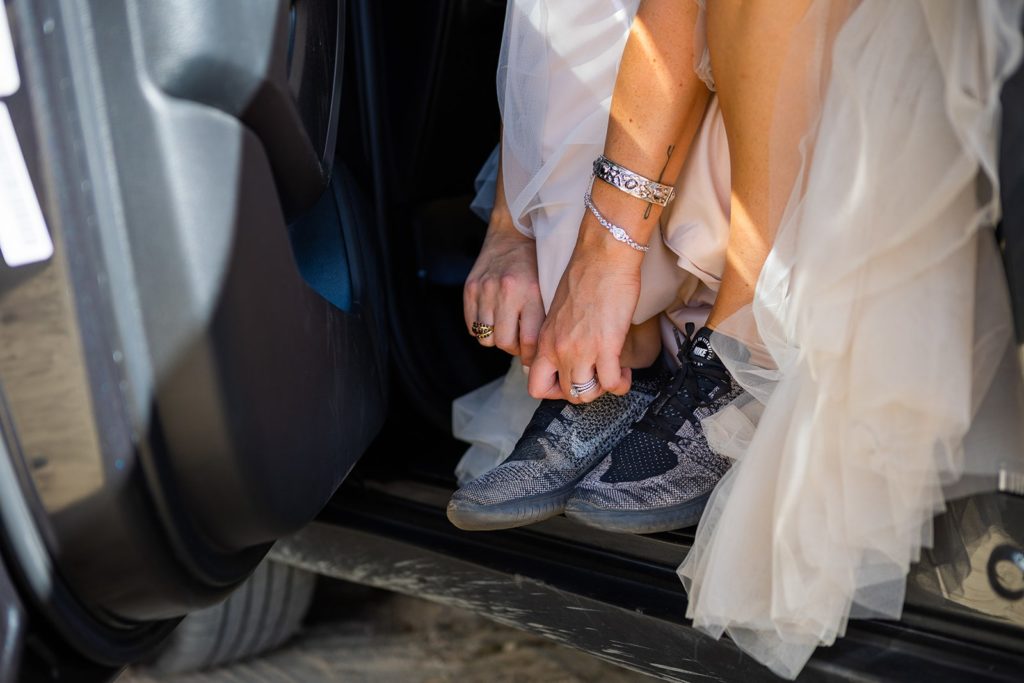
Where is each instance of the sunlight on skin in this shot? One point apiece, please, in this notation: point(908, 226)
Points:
point(662, 87)
point(655, 70)
point(657, 106)
point(749, 44)
point(746, 253)
point(751, 241)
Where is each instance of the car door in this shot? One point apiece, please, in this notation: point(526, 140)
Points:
point(192, 346)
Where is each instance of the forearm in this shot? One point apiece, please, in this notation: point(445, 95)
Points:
point(657, 107)
point(501, 218)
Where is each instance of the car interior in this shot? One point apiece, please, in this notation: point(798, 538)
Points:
point(399, 483)
point(254, 320)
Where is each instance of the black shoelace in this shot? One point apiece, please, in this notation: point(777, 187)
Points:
point(682, 392)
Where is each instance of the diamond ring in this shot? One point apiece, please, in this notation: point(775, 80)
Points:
point(576, 390)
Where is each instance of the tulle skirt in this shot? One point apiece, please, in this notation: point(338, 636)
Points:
point(877, 354)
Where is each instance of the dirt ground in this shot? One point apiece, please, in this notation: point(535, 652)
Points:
point(386, 637)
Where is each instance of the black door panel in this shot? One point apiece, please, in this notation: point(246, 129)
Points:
point(427, 77)
point(12, 627)
point(1011, 179)
point(175, 395)
point(273, 65)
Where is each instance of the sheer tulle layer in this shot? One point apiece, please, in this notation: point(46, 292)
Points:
point(491, 419)
point(879, 323)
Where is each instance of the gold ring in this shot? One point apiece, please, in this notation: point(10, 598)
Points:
point(482, 331)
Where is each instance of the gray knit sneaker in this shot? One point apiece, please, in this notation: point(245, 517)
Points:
point(560, 445)
point(660, 475)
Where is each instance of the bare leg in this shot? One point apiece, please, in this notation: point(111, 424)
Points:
point(749, 42)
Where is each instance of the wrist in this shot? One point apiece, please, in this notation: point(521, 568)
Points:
point(501, 224)
point(596, 243)
point(601, 235)
point(638, 217)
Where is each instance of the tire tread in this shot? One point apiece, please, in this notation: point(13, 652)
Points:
point(263, 613)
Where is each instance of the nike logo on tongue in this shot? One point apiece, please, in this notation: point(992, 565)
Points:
point(702, 350)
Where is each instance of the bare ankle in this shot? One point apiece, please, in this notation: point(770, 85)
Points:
point(643, 344)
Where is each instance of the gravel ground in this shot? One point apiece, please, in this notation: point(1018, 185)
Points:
point(385, 637)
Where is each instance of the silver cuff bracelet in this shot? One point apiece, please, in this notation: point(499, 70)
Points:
point(617, 232)
point(631, 183)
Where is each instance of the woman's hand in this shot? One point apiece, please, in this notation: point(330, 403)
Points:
point(590, 316)
point(503, 290)
point(589, 319)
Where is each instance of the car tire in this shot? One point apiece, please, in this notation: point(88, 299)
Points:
point(263, 613)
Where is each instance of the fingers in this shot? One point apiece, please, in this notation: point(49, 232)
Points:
point(485, 309)
point(506, 329)
point(554, 372)
point(560, 364)
point(543, 380)
point(614, 378)
point(470, 295)
point(511, 305)
point(564, 378)
point(530, 320)
point(478, 304)
point(546, 381)
point(587, 384)
point(519, 314)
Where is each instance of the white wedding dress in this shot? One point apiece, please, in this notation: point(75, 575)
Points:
point(878, 352)
point(878, 357)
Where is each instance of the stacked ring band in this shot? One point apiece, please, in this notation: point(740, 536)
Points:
point(576, 390)
point(481, 330)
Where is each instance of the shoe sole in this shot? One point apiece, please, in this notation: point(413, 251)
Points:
point(640, 521)
point(475, 517)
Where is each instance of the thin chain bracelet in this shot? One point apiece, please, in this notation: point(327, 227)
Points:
point(617, 232)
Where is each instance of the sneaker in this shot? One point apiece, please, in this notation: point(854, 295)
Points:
point(560, 445)
point(661, 473)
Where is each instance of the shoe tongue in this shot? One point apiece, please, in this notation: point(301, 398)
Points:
point(701, 351)
point(702, 356)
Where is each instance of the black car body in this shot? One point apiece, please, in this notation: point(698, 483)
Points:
point(261, 226)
